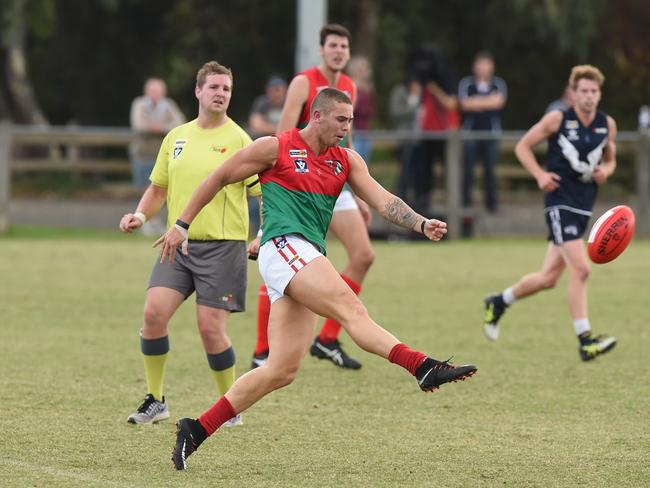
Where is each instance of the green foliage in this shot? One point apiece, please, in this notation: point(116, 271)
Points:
point(89, 59)
point(534, 416)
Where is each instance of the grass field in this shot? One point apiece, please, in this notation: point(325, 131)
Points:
point(534, 415)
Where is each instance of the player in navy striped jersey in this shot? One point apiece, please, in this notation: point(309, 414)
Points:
point(581, 157)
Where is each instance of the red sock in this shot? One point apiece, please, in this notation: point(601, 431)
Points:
point(331, 328)
point(219, 413)
point(406, 357)
point(263, 311)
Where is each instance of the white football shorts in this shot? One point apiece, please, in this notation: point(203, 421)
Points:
point(345, 201)
point(280, 258)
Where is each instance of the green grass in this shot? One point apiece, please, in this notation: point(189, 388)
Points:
point(534, 415)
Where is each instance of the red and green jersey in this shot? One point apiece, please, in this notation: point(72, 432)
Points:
point(317, 82)
point(299, 192)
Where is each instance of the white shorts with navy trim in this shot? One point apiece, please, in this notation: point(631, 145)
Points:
point(280, 258)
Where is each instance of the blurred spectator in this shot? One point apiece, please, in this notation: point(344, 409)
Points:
point(361, 73)
point(644, 118)
point(482, 96)
point(151, 113)
point(404, 106)
point(438, 113)
point(563, 103)
point(267, 108)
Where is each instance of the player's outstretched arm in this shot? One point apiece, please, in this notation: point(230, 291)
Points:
point(390, 206)
point(251, 160)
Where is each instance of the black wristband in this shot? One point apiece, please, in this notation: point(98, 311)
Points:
point(422, 225)
point(182, 224)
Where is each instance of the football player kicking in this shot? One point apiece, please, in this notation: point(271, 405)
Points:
point(299, 196)
point(581, 156)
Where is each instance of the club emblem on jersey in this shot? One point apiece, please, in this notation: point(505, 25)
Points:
point(571, 124)
point(178, 147)
point(335, 165)
point(572, 135)
point(298, 153)
point(301, 166)
point(219, 149)
point(600, 130)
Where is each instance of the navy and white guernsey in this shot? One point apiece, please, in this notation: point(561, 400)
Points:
point(573, 153)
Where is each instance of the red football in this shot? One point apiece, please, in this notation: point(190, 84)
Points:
point(611, 234)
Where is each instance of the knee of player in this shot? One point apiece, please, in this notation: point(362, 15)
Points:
point(285, 375)
point(582, 273)
point(354, 312)
point(363, 258)
point(550, 280)
point(153, 316)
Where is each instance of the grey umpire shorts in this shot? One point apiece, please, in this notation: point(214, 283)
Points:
point(216, 270)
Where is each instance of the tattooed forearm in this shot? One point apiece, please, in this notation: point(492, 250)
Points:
point(398, 212)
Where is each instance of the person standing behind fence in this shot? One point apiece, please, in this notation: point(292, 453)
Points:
point(360, 71)
point(482, 97)
point(267, 108)
point(215, 267)
point(403, 106)
point(152, 114)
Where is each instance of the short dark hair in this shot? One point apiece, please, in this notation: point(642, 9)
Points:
point(326, 99)
point(484, 55)
point(211, 68)
point(333, 29)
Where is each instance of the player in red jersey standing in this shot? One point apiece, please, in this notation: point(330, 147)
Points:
point(302, 173)
point(351, 215)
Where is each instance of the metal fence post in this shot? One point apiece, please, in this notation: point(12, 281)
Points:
point(453, 172)
point(5, 174)
point(643, 182)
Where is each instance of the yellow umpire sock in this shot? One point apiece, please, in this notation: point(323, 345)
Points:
point(155, 352)
point(223, 369)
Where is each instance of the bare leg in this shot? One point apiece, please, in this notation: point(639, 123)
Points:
point(348, 226)
point(543, 279)
point(159, 306)
point(320, 288)
point(212, 327)
point(575, 258)
point(291, 327)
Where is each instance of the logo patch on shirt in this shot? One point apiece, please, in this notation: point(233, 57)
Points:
point(298, 153)
point(335, 165)
point(219, 149)
point(301, 166)
point(572, 135)
point(600, 130)
point(178, 147)
point(280, 242)
point(571, 124)
point(571, 230)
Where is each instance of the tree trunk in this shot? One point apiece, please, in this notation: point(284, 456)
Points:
point(366, 34)
point(19, 104)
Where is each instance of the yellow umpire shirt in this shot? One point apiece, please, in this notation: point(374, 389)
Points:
point(187, 155)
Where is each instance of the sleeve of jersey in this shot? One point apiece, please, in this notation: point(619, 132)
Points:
point(160, 175)
point(253, 187)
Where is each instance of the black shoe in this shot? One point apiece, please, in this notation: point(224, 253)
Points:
point(595, 346)
point(334, 352)
point(259, 359)
point(432, 373)
point(189, 436)
point(494, 309)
